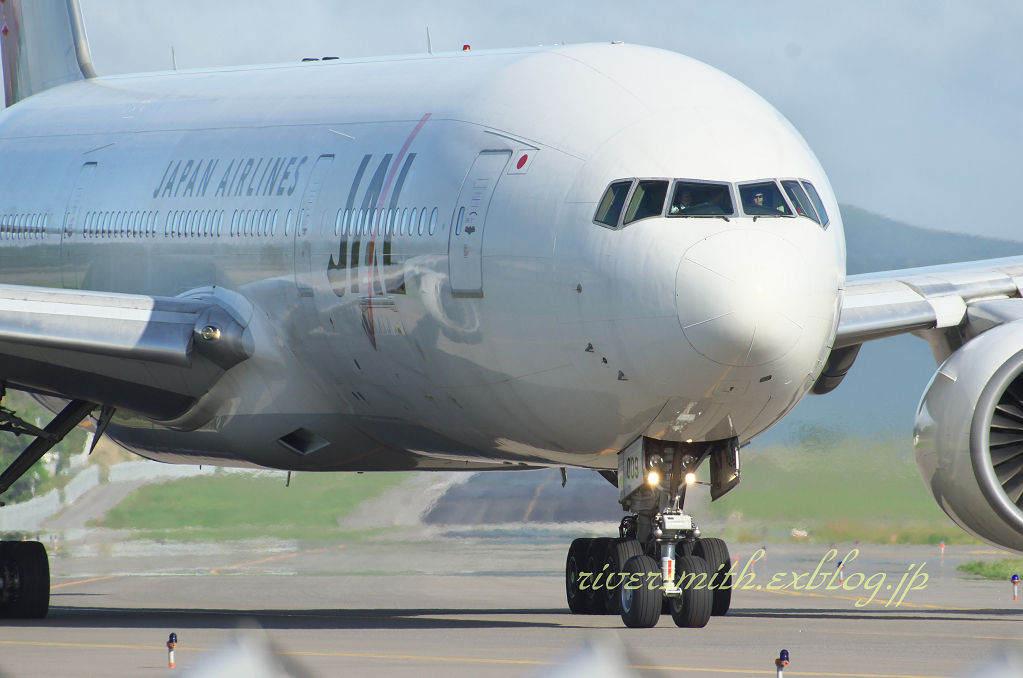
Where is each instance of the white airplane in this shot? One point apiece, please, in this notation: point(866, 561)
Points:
point(285, 267)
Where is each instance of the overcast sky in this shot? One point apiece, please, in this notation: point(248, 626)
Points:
point(914, 108)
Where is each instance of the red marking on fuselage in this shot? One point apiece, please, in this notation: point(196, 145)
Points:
point(382, 218)
point(522, 161)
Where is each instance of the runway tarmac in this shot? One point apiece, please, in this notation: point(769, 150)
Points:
point(451, 606)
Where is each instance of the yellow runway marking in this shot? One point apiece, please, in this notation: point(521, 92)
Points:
point(84, 581)
point(217, 570)
point(472, 660)
point(94, 645)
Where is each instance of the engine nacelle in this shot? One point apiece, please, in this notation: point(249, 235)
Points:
point(969, 436)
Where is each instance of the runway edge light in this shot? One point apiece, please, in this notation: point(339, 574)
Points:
point(781, 661)
point(172, 642)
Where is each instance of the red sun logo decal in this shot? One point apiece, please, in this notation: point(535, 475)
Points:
point(522, 160)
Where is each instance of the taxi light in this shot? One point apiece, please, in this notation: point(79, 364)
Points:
point(652, 478)
point(690, 478)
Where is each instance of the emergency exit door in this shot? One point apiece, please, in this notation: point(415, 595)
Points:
point(465, 243)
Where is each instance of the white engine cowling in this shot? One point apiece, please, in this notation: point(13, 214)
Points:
point(969, 436)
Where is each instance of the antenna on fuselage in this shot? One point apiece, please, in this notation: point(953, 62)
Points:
point(429, 41)
point(174, 58)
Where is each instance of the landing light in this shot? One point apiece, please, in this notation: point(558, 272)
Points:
point(690, 478)
point(652, 478)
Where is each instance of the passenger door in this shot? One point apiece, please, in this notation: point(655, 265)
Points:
point(304, 226)
point(72, 219)
point(465, 242)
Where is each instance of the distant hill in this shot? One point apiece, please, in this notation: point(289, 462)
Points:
point(877, 243)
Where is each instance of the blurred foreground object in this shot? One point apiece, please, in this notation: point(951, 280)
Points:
point(592, 661)
point(247, 655)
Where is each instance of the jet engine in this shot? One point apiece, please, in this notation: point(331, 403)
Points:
point(969, 435)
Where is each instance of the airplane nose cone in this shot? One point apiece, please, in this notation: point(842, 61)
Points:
point(742, 297)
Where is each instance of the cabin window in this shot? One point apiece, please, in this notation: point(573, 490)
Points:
point(610, 208)
point(698, 199)
point(817, 203)
point(412, 221)
point(458, 223)
point(422, 221)
point(763, 200)
point(273, 228)
point(433, 221)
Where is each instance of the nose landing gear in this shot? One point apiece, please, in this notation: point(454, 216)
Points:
point(660, 563)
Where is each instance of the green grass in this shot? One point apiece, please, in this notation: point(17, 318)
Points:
point(838, 487)
point(240, 506)
point(1001, 571)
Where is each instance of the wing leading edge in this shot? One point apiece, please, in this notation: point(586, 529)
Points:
point(879, 305)
point(152, 355)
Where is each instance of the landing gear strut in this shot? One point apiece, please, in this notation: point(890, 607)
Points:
point(660, 563)
point(24, 566)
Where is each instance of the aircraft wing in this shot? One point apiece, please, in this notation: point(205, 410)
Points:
point(152, 355)
point(945, 305)
point(878, 305)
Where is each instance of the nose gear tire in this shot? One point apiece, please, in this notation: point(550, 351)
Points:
point(693, 608)
point(640, 606)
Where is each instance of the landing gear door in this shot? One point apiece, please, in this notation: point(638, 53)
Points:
point(631, 464)
point(465, 240)
point(724, 467)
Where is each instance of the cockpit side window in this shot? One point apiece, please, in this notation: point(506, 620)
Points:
point(695, 199)
point(611, 204)
point(816, 200)
point(799, 200)
point(647, 201)
point(763, 200)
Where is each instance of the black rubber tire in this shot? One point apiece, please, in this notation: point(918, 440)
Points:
point(575, 564)
point(692, 609)
point(640, 607)
point(618, 553)
point(33, 567)
point(715, 552)
point(7, 562)
point(595, 564)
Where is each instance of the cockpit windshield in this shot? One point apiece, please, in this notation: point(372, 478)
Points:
point(763, 200)
point(610, 208)
point(694, 199)
point(800, 202)
point(647, 201)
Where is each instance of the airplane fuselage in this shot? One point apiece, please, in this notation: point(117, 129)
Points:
point(415, 240)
